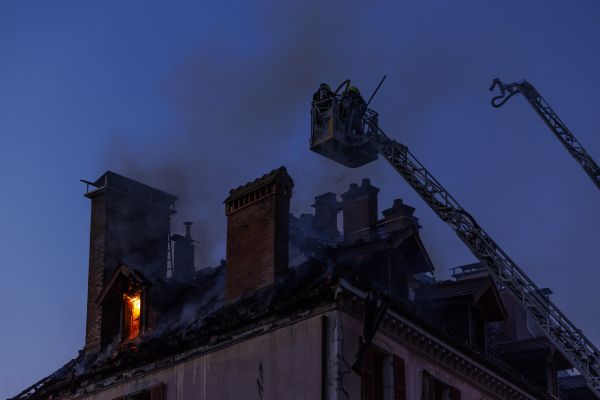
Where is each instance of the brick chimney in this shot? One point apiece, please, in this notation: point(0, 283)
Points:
point(325, 220)
point(359, 207)
point(129, 223)
point(257, 234)
point(398, 217)
point(183, 268)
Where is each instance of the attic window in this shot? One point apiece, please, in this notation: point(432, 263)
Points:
point(132, 307)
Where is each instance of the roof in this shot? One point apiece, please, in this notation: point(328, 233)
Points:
point(207, 323)
point(574, 388)
point(525, 345)
point(406, 241)
point(481, 291)
point(574, 382)
point(451, 289)
point(122, 272)
point(275, 175)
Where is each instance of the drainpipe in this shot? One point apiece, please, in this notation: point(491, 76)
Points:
point(324, 357)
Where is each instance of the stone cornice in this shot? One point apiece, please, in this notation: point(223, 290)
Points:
point(481, 372)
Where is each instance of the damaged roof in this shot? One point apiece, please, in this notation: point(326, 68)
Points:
point(207, 324)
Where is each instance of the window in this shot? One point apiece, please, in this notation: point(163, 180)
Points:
point(434, 389)
point(382, 376)
point(152, 393)
point(132, 307)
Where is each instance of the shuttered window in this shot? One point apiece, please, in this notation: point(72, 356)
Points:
point(383, 376)
point(155, 392)
point(399, 379)
point(368, 374)
point(435, 389)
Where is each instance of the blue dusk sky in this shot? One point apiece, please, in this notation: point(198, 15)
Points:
point(197, 98)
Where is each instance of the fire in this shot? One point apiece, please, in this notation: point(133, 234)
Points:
point(133, 305)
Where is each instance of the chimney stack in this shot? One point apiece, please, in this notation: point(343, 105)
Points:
point(359, 206)
point(257, 234)
point(129, 223)
point(399, 216)
point(183, 265)
point(325, 220)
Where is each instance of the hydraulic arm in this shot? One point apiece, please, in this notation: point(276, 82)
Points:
point(555, 124)
point(334, 135)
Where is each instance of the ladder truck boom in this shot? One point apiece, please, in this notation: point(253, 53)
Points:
point(560, 130)
point(336, 134)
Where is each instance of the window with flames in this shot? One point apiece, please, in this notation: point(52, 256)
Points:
point(132, 315)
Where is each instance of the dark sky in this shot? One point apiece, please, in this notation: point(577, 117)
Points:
point(198, 98)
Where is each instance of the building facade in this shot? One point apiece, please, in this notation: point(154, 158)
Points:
point(300, 309)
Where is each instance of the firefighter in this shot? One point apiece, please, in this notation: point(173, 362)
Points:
point(320, 106)
point(356, 98)
point(323, 93)
point(357, 109)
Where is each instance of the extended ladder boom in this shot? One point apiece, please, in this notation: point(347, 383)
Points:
point(349, 133)
point(579, 350)
point(559, 129)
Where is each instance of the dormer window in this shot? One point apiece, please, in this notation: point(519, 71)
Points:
point(132, 307)
point(126, 314)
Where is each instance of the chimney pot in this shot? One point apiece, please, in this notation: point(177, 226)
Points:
point(188, 229)
point(184, 258)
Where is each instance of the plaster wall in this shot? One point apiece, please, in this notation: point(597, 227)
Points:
point(290, 359)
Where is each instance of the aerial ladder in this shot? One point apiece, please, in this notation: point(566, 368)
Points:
point(348, 133)
point(560, 130)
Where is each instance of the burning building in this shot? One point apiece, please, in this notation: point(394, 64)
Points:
point(300, 308)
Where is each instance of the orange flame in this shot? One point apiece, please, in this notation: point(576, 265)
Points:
point(133, 305)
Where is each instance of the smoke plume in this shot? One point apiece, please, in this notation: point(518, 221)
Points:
point(242, 109)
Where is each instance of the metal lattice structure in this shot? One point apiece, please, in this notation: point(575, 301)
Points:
point(343, 142)
point(560, 130)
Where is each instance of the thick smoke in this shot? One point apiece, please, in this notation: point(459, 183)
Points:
point(241, 111)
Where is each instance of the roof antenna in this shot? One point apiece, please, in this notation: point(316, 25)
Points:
point(376, 89)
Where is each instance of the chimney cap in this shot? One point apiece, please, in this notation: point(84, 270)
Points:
point(188, 229)
point(112, 180)
point(399, 208)
point(279, 174)
point(328, 199)
point(355, 191)
point(326, 195)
